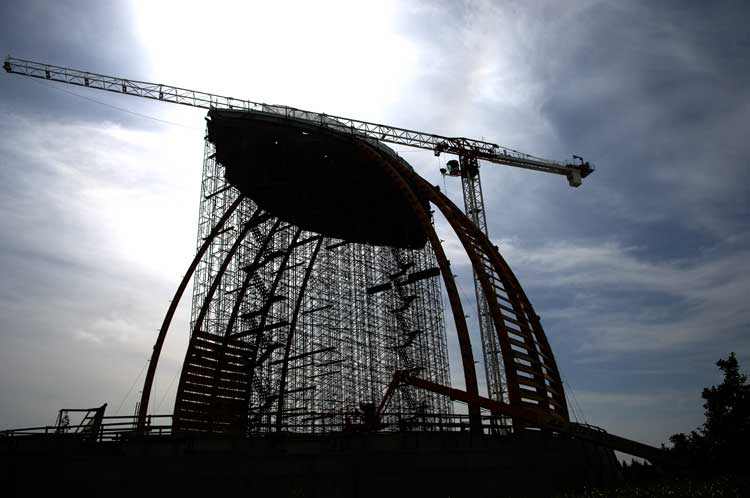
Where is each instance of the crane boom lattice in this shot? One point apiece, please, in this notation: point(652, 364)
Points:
point(479, 149)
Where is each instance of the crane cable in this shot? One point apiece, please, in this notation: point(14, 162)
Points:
point(119, 407)
point(122, 109)
point(574, 400)
point(167, 390)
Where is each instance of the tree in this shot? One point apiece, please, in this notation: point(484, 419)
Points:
point(725, 436)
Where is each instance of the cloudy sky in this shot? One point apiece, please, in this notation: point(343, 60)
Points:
point(640, 275)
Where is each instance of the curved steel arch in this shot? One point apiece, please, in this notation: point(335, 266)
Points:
point(249, 276)
point(532, 377)
point(459, 319)
point(531, 372)
point(214, 396)
point(264, 318)
point(222, 360)
point(148, 383)
point(198, 344)
point(224, 265)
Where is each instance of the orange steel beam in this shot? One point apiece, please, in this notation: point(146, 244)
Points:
point(533, 418)
point(543, 365)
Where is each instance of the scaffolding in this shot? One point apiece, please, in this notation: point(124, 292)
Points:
point(299, 332)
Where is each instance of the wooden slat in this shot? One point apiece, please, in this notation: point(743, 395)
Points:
point(533, 371)
point(213, 365)
point(525, 393)
point(222, 381)
point(242, 345)
point(212, 346)
point(218, 355)
point(206, 386)
point(536, 384)
point(211, 372)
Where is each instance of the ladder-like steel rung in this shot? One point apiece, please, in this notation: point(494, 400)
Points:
point(276, 298)
point(258, 330)
point(254, 221)
point(302, 242)
point(251, 268)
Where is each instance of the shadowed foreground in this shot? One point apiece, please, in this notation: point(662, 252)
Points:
point(335, 465)
point(724, 486)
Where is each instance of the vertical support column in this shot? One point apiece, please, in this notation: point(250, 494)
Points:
point(474, 209)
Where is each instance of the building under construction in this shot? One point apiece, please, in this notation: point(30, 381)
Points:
point(319, 278)
point(318, 326)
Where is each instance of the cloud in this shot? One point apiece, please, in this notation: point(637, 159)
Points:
point(650, 416)
point(620, 301)
point(98, 226)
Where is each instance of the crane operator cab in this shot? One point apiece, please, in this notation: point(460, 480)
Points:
point(578, 171)
point(452, 168)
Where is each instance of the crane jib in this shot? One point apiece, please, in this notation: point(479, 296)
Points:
point(460, 146)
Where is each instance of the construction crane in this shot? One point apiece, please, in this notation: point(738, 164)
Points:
point(469, 152)
point(463, 147)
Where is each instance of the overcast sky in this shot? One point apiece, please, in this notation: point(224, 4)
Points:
point(640, 275)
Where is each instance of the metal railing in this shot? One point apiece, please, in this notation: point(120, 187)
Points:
point(112, 428)
point(117, 428)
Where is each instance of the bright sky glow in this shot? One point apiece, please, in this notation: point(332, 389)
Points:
point(336, 55)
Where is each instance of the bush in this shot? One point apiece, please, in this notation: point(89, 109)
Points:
point(720, 445)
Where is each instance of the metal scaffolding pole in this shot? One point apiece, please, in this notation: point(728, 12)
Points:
point(323, 329)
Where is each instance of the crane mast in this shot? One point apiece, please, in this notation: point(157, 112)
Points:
point(471, 187)
point(469, 152)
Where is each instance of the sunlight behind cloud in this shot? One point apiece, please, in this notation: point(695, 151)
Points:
point(333, 56)
point(136, 200)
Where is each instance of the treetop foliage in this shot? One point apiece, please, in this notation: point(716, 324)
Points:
point(719, 444)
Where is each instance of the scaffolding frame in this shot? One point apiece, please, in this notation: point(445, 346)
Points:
point(318, 325)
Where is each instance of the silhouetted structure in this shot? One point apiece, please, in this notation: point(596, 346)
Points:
point(318, 308)
point(317, 289)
